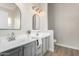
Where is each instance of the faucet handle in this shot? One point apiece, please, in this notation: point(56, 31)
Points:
point(11, 37)
point(12, 33)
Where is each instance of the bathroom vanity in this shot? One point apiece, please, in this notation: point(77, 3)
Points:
point(23, 46)
point(24, 50)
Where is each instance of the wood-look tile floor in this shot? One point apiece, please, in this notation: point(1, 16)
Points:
point(62, 51)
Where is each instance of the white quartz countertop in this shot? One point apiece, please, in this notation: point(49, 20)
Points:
point(20, 40)
point(13, 44)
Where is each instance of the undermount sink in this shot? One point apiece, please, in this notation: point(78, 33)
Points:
point(39, 35)
point(19, 38)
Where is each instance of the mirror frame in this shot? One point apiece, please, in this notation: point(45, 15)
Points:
point(20, 19)
point(34, 25)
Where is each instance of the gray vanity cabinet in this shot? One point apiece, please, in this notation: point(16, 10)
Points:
point(25, 50)
point(12, 52)
point(45, 45)
point(30, 49)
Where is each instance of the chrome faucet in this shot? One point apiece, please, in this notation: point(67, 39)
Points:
point(11, 37)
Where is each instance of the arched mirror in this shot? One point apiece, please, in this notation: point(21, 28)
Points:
point(36, 22)
point(10, 16)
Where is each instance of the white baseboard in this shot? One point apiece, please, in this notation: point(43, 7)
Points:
point(67, 46)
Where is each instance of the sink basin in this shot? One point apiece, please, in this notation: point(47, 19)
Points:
point(40, 35)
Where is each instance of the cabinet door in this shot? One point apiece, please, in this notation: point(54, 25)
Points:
point(28, 50)
point(34, 48)
point(45, 45)
point(12, 52)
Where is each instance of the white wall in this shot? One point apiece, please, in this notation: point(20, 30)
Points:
point(44, 18)
point(26, 19)
point(64, 19)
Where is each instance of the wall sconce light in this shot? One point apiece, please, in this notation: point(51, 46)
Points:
point(37, 10)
